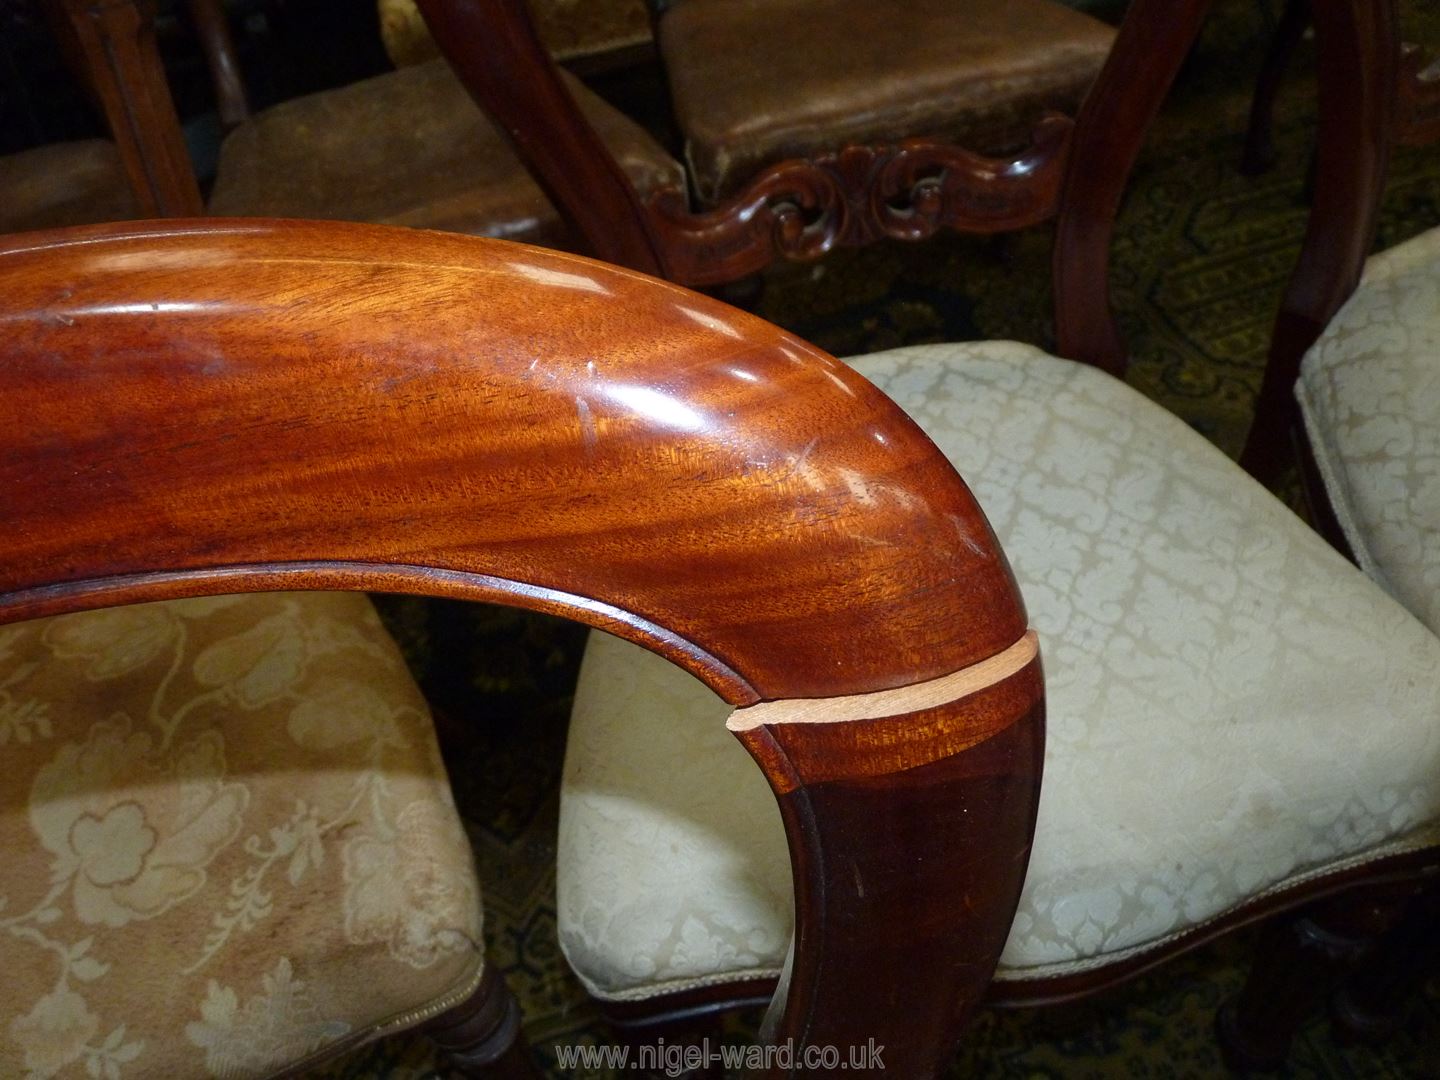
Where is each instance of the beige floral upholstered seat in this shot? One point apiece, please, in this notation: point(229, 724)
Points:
point(229, 843)
point(1210, 663)
point(1369, 393)
point(68, 183)
point(410, 147)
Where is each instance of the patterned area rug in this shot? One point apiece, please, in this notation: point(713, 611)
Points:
point(1200, 259)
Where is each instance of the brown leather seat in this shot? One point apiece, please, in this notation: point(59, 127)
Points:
point(69, 183)
point(755, 82)
point(410, 147)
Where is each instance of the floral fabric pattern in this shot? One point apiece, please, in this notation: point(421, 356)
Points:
point(1369, 393)
point(186, 786)
point(1230, 704)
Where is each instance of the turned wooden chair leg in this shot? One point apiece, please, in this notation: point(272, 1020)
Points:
point(1371, 1004)
point(1298, 961)
point(482, 1036)
point(1259, 153)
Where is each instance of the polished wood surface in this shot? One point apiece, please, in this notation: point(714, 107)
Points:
point(635, 400)
point(1356, 43)
point(1153, 42)
point(203, 408)
point(803, 208)
point(798, 209)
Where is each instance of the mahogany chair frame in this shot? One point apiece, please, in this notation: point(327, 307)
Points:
point(1371, 98)
point(1360, 65)
point(199, 408)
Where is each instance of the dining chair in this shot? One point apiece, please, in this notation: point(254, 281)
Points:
point(193, 410)
point(894, 125)
point(1352, 381)
point(407, 147)
point(1242, 725)
point(807, 124)
point(601, 183)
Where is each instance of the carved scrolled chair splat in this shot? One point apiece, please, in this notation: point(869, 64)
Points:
point(801, 209)
point(958, 130)
point(244, 406)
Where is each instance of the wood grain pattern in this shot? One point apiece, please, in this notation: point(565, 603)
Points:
point(295, 361)
point(198, 408)
point(910, 983)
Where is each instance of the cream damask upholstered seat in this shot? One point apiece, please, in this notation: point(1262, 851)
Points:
point(1369, 394)
point(229, 842)
point(1213, 670)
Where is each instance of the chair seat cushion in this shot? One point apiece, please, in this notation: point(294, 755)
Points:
point(410, 147)
point(569, 30)
point(68, 183)
point(755, 82)
point(229, 840)
point(1231, 706)
point(1369, 392)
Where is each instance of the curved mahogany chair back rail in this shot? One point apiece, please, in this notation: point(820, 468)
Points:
point(1358, 57)
point(237, 405)
point(1154, 39)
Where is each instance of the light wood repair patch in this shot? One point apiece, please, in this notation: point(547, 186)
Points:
point(896, 702)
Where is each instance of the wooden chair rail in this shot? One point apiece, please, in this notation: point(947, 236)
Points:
point(802, 209)
point(242, 405)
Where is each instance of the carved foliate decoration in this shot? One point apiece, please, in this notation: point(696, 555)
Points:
point(801, 209)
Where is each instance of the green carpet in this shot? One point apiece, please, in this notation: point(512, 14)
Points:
point(1200, 259)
